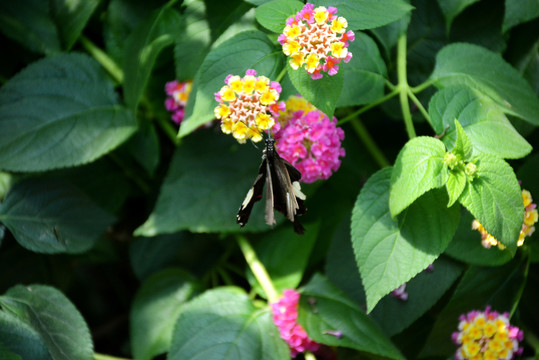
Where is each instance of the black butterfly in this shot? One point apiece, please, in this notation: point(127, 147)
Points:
point(283, 192)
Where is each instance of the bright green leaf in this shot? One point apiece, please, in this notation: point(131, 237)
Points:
point(71, 123)
point(518, 12)
point(322, 93)
point(456, 182)
point(464, 64)
point(483, 121)
point(463, 146)
point(71, 17)
point(419, 168)
point(224, 324)
point(368, 14)
point(51, 216)
point(495, 199)
point(273, 15)
point(155, 309)
point(451, 8)
point(21, 339)
point(390, 252)
point(246, 50)
point(53, 317)
point(325, 308)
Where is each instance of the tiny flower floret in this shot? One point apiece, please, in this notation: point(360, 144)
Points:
point(285, 314)
point(487, 335)
point(316, 39)
point(177, 96)
point(244, 103)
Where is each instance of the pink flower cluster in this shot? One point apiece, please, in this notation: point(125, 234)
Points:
point(178, 94)
point(285, 314)
point(307, 139)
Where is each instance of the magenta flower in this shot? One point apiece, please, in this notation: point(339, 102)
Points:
point(285, 314)
point(178, 94)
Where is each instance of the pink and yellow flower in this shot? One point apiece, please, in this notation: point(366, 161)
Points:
point(177, 96)
point(487, 335)
point(244, 103)
point(316, 39)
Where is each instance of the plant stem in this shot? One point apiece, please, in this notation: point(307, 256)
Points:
point(369, 143)
point(169, 130)
point(403, 86)
point(520, 291)
point(281, 75)
point(257, 268)
point(423, 86)
point(107, 357)
point(108, 64)
point(419, 105)
point(367, 107)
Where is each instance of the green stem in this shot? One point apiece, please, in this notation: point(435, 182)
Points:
point(107, 357)
point(520, 291)
point(419, 105)
point(169, 130)
point(423, 86)
point(531, 339)
point(257, 268)
point(367, 107)
point(403, 86)
point(108, 64)
point(369, 143)
point(281, 75)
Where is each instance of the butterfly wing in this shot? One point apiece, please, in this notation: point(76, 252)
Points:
point(253, 195)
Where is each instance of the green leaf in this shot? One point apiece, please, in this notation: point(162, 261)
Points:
point(273, 15)
point(482, 120)
point(208, 168)
point(466, 246)
point(143, 146)
point(155, 310)
point(451, 8)
point(463, 146)
point(224, 324)
point(29, 23)
point(142, 49)
point(518, 12)
point(21, 339)
point(60, 111)
point(71, 17)
point(479, 287)
point(364, 75)
point(322, 93)
point(285, 256)
point(6, 180)
point(246, 50)
point(49, 216)
point(5, 354)
point(367, 14)
point(463, 64)
point(325, 308)
point(390, 252)
point(51, 315)
point(495, 199)
point(456, 182)
point(419, 168)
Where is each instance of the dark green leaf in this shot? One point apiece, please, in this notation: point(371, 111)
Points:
point(144, 147)
point(5, 354)
point(322, 93)
point(518, 12)
point(155, 310)
point(51, 216)
point(451, 8)
point(390, 252)
point(246, 50)
point(336, 312)
point(53, 317)
point(368, 14)
point(71, 123)
point(224, 324)
point(419, 168)
point(21, 339)
point(71, 18)
point(273, 15)
point(495, 199)
point(460, 63)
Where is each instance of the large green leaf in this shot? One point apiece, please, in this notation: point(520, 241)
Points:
point(495, 199)
point(368, 14)
point(71, 18)
point(391, 251)
point(51, 216)
point(142, 48)
point(419, 168)
point(155, 309)
point(207, 180)
point(518, 12)
point(224, 324)
point(21, 339)
point(364, 75)
point(60, 111)
point(273, 15)
point(6, 354)
point(483, 121)
point(246, 50)
point(461, 63)
point(324, 308)
point(53, 317)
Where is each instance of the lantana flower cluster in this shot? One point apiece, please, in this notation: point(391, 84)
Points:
point(309, 140)
point(487, 335)
point(177, 96)
point(530, 218)
point(285, 314)
point(316, 39)
point(246, 105)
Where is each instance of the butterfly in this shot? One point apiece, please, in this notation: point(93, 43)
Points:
point(283, 192)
